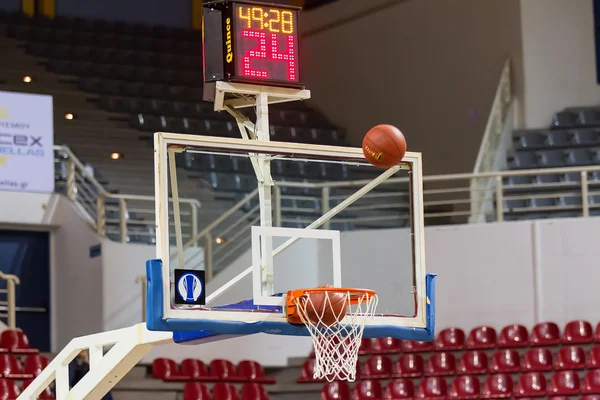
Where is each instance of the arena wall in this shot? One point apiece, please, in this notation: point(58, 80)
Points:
point(559, 58)
point(443, 64)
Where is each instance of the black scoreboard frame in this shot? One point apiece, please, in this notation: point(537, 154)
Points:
point(216, 47)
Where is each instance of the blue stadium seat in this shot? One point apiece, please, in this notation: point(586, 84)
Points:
point(585, 137)
point(525, 160)
point(564, 119)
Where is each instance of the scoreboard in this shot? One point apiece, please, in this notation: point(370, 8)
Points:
point(251, 42)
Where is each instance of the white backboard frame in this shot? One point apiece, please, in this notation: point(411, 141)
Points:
point(163, 141)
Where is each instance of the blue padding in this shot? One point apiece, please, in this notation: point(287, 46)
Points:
point(155, 321)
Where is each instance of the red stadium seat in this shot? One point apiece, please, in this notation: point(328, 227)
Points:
point(570, 357)
point(413, 346)
point(377, 367)
point(531, 384)
point(45, 395)
point(16, 342)
point(450, 339)
point(386, 345)
point(34, 364)
point(465, 387)
point(593, 361)
point(537, 359)
point(482, 337)
point(223, 369)
point(409, 366)
point(167, 369)
point(433, 388)
point(10, 367)
point(498, 386)
point(590, 397)
point(545, 334)
point(578, 332)
point(597, 333)
point(473, 362)
point(366, 346)
point(505, 360)
point(8, 389)
point(252, 371)
point(399, 389)
point(564, 383)
point(441, 364)
point(513, 336)
point(196, 391)
point(254, 391)
point(365, 390)
point(338, 390)
point(307, 373)
point(197, 370)
point(591, 382)
point(225, 391)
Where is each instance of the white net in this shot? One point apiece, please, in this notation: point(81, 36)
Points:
point(337, 332)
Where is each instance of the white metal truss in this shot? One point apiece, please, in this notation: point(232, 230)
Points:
point(129, 345)
point(231, 96)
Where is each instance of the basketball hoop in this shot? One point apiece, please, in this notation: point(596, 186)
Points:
point(336, 326)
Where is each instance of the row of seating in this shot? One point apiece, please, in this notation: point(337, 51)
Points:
point(486, 337)
point(137, 89)
point(278, 115)
point(15, 341)
point(10, 390)
point(218, 370)
point(279, 167)
point(544, 139)
point(224, 391)
point(80, 25)
point(498, 386)
point(473, 362)
point(547, 181)
point(114, 40)
point(151, 123)
point(136, 57)
point(12, 368)
point(554, 158)
point(128, 73)
point(576, 117)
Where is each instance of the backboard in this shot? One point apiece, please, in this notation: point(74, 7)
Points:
point(295, 215)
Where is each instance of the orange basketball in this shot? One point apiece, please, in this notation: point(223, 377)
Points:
point(326, 308)
point(384, 146)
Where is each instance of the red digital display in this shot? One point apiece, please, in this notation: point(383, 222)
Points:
point(266, 43)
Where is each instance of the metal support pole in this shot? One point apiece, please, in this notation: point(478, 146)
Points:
point(12, 315)
point(325, 205)
point(71, 185)
point(499, 199)
point(123, 220)
point(277, 205)
point(101, 216)
point(194, 223)
point(144, 282)
point(585, 201)
point(264, 193)
point(208, 257)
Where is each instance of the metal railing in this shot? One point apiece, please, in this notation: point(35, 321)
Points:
point(123, 218)
point(9, 304)
point(493, 144)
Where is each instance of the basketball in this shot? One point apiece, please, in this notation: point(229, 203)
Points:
point(384, 146)
point(326, 308)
